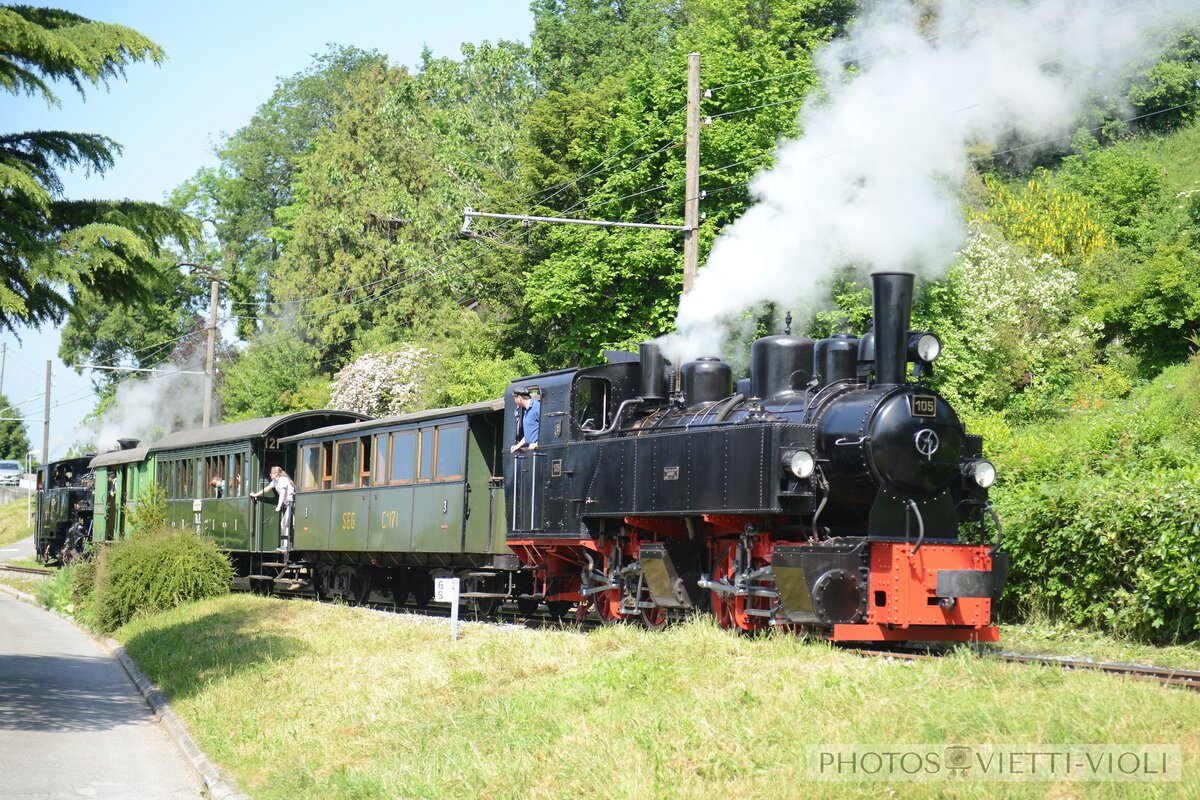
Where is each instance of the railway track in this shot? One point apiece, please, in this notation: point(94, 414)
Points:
point(25, 570)
point(1167, 676)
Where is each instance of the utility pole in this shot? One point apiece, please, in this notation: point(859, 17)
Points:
point(212, 345)
point(46, 420)
point(3, 356)
point(691, 197)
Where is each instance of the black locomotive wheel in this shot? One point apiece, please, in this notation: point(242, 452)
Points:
point(559, 608)
point(527, 606)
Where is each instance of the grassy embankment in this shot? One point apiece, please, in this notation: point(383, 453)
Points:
point(13, 527)
point(303, 700)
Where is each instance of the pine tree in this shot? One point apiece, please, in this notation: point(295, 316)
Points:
point(50, 246)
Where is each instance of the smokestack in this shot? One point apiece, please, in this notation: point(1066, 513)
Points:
point(654, 377)
point(893, 314)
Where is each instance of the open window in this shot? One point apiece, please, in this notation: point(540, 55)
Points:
point(364, 474)
point(591, 404)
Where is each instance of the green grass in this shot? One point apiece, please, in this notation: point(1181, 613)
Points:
point(1179, 154)
point(1063, 640)
point(303, 700)
point(12, 523)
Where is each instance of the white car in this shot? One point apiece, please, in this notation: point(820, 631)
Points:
point(10, 473)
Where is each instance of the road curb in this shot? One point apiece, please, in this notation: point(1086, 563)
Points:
point(219, 786)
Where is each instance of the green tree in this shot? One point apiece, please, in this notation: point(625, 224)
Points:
point(612, 148)
point(14, 441)
point(255, 178)
point(52, 248)
point(169, 325)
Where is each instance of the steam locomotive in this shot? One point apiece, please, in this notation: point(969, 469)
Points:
point(823, 493)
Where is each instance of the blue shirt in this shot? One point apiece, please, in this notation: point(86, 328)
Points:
point(532, 421)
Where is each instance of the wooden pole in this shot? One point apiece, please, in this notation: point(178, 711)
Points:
point(212, 345)
point(691, 205)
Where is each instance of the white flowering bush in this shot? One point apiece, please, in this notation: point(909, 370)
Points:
point(381, 384)
point(1013, 336)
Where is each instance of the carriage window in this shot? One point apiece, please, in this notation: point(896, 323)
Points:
point(310, 466)
point(364, 476)
point(235, 486)
point(451, 452)
point(347, 464)
point(184, 472)
point(426, 455)
point(404, 456)
point(381, 459)
point(327, 465)
point(591, 403)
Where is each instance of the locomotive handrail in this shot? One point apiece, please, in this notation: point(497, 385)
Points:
point(999, 531)
point(910, 503)
point(625, 404)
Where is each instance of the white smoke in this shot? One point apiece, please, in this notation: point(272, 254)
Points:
point(169, 400)
point(873, 183)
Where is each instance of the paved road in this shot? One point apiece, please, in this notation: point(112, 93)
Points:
point(72, 724)
point(22, 549)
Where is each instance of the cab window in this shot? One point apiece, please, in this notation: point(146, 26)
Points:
point(591, 403)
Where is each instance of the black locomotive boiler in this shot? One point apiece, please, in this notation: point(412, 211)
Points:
point(825, 492)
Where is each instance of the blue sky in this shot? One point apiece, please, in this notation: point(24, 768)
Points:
point(223, 61)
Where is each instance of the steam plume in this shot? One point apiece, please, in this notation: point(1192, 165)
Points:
point(874, 180)
point(147, 409)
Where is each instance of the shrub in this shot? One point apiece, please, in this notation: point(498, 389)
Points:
point(1102, 513)
point(150, 511)
point(156, 571)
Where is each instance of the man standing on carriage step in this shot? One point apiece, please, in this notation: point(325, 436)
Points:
point(529, 422)
point(285, 491)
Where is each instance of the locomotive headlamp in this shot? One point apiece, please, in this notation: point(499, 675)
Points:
point(983, 473)
point(800, 463)
point(924, 347)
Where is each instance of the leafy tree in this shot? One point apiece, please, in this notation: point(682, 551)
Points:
point(143, 335)
point(1124, 184)
point(14, 441)
point(52, 248)
point(613, 149)
point(275, 375)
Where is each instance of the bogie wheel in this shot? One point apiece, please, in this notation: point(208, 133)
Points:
point(527, 606)
point(398, 581)
point(422, 589)
point(559, 608)
point(352, 583)
point(486, 607)
point(608, 606)
point(323, 582)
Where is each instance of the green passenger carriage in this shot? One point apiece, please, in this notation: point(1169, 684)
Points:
point(395, 503)
point(207, 475)
point(121, 476)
